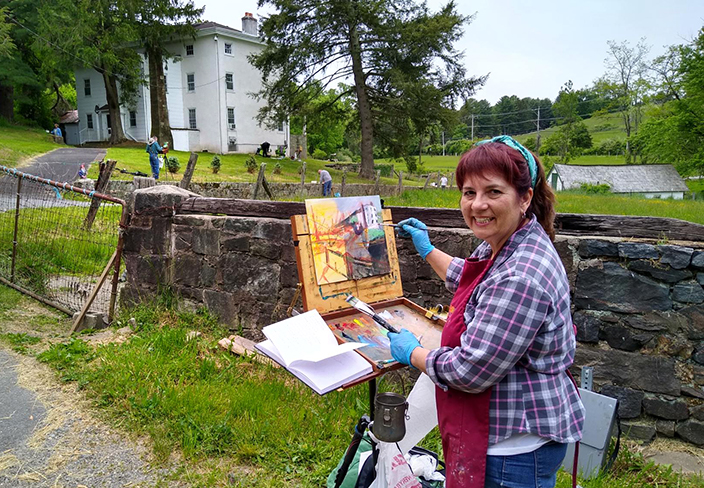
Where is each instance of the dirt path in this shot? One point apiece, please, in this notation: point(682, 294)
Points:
point(49, 434)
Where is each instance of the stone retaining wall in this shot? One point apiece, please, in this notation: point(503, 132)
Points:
point(638, 306)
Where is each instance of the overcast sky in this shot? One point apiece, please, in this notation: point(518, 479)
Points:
point(530, 49)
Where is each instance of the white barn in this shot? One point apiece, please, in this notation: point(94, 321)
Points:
point(648, 180)
point(208, 81)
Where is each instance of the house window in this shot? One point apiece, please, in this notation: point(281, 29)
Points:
point(228, 48)
point(281, 126)
point(191, 81)
point(231, 118)
point(86, 87)
point(133, 118)
point(229, 81)
point(189, 49)
point(192, 118)
point(89, 121)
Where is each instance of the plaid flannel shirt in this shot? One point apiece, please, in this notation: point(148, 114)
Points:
point(519, 339)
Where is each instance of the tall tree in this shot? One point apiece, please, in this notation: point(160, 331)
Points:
point(380, 45)
point(6, 44)
point(159, 22)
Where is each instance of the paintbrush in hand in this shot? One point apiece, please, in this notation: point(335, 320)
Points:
point(367, 310)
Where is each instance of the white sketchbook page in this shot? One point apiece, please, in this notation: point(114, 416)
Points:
point(305, 337)
point(326, 375)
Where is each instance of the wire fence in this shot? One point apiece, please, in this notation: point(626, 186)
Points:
point(57, 242)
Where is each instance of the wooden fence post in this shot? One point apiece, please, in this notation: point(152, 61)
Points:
point(427, 180)
point(344, 180)
point(188, 174)
point(303, 178)
point(400, 182)
point(260, 179)
point(100, 186)
point(437, 182)
point(376, 181)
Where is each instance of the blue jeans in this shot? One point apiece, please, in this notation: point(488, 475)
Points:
point(154, 163)
point(327, 186)
point(537, 469)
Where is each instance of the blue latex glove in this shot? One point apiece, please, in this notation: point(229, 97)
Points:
point(402, 345)
point(416, 230)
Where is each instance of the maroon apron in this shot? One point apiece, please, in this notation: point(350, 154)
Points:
point(463, 418)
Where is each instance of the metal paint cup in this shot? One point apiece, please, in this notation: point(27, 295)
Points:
point(390, 417)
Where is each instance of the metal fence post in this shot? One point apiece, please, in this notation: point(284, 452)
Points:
point(14, 235)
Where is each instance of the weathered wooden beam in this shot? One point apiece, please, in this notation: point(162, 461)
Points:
point(188, 174)
point(566, 224)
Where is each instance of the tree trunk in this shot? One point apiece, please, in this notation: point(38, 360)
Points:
point(7, 98)
point(161, 127)
point(117, 134)
point(366, 168)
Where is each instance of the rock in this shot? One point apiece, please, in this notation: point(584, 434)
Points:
point(700, 278)
point(587, 327)
point(124, 331)
point(629, 401)
point(91, 320)
point(620, 337)
point(638, 431)
point(133, 323)
point(666, 409)
point(223, 305)
point(689, 292)
point(590, 248)
point(671, 346)
point(694, 392)
point(691, 431)
point(697, 412)
point(698, 260)
point(664, 273)
point(636, 250)
point(676, 256)
point(239, 244)
point(665, 427)
point(615, 289)
point(648, 373)
point(698, 355)
point(695, 316)
point(206, 241)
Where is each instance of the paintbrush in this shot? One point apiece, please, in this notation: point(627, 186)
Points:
point(367, 310)
point(389, 225)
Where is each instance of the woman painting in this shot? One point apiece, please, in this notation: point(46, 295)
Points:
point(506, 406)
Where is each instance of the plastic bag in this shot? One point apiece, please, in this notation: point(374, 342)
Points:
point(392, 469)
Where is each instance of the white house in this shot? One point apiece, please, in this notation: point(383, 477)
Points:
point(209, 80)
point(648, 180)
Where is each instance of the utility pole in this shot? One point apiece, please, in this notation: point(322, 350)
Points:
point(537, 139)
point(472, 126)
point(443, 143)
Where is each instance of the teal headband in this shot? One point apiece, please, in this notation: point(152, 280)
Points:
point(514, 144)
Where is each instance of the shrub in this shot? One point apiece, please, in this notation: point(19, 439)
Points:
point(601, 189)
point(385, 169)
point(215, 164)
point(277, 169)
point(251, 164)
point(172, 164)
point(411, 164)
point(530, 144)
point(319, 154)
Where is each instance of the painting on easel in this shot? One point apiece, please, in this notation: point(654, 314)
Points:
point(347, 238)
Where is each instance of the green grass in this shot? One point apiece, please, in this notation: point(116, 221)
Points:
point(572, 202)
point(601, 128)
point(19, 342)
point(18, 144)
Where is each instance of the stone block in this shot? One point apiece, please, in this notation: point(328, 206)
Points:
point(636, 250)
point(160, 199)
point(657, 322)
point(698, 375)
point(161, 239)
point(689, 292)
point(693, 391)
point(239, 225)
point(223, 305)
point(613, 288)
point(648, 373)
point(659, 272)
point(238, 244)
point(698, 260)
point(91, 320)
point(187, 270)
point(182, 241)
point(590, 248)
point(638, 431)
point(189, 293)
point(266, 248)
point(678, 257)
point(587, 327)
point(138, 240)
point(146, 269)
point(208, 275)
point(698, 355)
point(671, 346)
point(206, 241)
point(191, 220)
point(620, 337)
point(567, 256)
point(665, 427)
point(629, 400)
point(700, 278)
point(691, 431)
point(697, 412)
point(289, 275)
point(695, 321)
point(665, 409)
point(274, 230)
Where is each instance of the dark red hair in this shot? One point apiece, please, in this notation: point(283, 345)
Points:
point(495, 158)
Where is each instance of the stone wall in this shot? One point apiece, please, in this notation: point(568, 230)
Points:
point(638, 306)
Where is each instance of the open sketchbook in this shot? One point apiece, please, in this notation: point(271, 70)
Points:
point(305, 345)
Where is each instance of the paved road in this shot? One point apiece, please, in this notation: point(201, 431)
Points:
point(63, 164)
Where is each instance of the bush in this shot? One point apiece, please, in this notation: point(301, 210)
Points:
point(277, 169)
point(251, 164)
point(385, 169)
point(601, 189)
point(458, 147)
point(215, 164)
point(411, 164)
point(319, 154)
point(172, 164)
point(530, 144)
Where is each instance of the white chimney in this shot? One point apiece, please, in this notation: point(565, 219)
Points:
point(249, 24)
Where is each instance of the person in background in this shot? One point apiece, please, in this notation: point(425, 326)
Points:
point(56, 132)
point(154, 149)
point(443, 182)
point(82, 173)
point(507, 407)
point(326, 181)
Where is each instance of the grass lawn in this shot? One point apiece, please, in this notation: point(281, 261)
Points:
point(572, 202)
point(601, 128)
point(17, 144)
